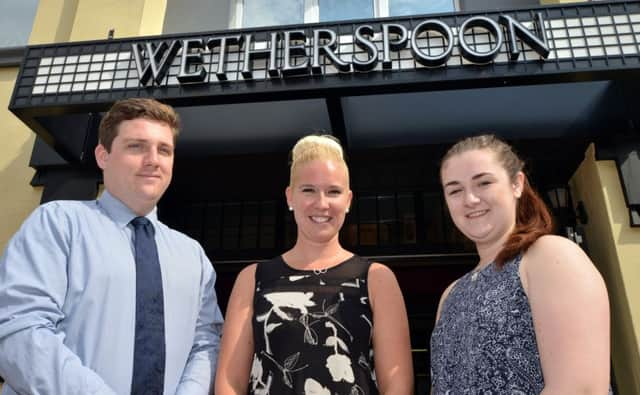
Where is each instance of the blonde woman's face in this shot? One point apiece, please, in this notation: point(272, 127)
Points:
point(320, 197)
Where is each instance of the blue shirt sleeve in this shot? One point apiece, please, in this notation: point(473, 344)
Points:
point(199, 373)
point(33, 285)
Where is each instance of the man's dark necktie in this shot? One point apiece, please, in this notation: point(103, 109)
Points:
point(149, 348)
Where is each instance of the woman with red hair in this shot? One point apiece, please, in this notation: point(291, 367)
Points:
point(533, 316)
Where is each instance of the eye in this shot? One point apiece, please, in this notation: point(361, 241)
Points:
point(452, 192)
point(307, 190)
point(335, 192)
point(166, 151)
point(484, 183)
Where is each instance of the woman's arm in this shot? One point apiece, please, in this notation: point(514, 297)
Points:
point(236, 350)
point(570, 311)
point(391, 343)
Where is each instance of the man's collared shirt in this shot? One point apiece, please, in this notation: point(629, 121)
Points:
point(68, 302)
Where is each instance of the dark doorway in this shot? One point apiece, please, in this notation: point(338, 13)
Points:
point(235, 206)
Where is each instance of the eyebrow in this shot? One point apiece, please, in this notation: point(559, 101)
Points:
point(314, 186)
point(142, 140)
point(135, 140)
point(475, 177)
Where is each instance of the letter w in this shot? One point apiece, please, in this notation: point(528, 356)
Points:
point(160, 59)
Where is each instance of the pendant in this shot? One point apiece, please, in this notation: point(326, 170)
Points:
point(474, 276)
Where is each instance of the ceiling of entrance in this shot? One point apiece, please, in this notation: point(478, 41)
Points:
point(376, 121)
point(249, 127)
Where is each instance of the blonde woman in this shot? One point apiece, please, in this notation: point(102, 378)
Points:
point(317, 319)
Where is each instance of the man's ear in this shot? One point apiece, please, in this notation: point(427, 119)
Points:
point(102, 156)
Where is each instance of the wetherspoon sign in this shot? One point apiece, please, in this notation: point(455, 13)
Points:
point(296, 52)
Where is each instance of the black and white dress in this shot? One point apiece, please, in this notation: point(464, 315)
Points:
point(312, 330)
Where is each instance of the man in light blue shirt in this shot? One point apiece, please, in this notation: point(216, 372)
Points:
point(68, 276)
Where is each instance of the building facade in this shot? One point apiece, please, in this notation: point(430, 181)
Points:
point(396, 81)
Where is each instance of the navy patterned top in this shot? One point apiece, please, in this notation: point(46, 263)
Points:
point(484, 341)
point(312, 330)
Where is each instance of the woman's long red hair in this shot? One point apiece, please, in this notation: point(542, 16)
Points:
point(533, 220)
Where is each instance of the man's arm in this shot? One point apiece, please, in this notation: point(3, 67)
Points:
point(33, 284)
point(199, 373)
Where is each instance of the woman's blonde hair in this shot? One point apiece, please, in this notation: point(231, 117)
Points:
point(312, 147)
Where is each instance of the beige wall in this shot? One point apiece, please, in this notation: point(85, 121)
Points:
point(51, 24)
point(614, 247)
point(128, 18)
point(53, 21)
point(18, 197)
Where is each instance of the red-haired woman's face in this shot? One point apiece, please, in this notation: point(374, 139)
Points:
point(480, 195)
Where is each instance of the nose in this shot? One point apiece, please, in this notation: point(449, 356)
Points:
point(322, 201)
point(470, 198)
point(151, 157)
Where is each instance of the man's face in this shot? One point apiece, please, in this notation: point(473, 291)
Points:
point(138, 169)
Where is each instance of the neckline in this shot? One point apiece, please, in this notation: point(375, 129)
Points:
point(475, 271)
point(316, 271)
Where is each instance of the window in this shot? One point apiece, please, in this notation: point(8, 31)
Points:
point(16, 21)
point(339, 10)
point(254, 13)
point(272, 12)
point(186, 16)
point(412, 7)
point(483, 5)
point(384, 220)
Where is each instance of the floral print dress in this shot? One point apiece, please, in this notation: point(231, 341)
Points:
point(485, 341)
point(312, 330)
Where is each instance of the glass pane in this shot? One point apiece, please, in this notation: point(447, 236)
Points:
point(339, 10)
point(268, 225)
point(187, 16)
point(349, 231)
point(16, 21)
point(368, 220)
point(231, 225)
point(411, 7)
point(434, 212)
point(193, 223)
point(488, 5)
point(213, 220)
point(272, 12)
point(250, 214)
point(387, 218)
point(407, 217)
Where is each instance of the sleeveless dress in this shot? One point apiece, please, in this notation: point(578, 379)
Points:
point(312, 330)
point(484, 341)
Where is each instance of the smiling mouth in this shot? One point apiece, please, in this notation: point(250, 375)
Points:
point(477, 214)
point(320, 220)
